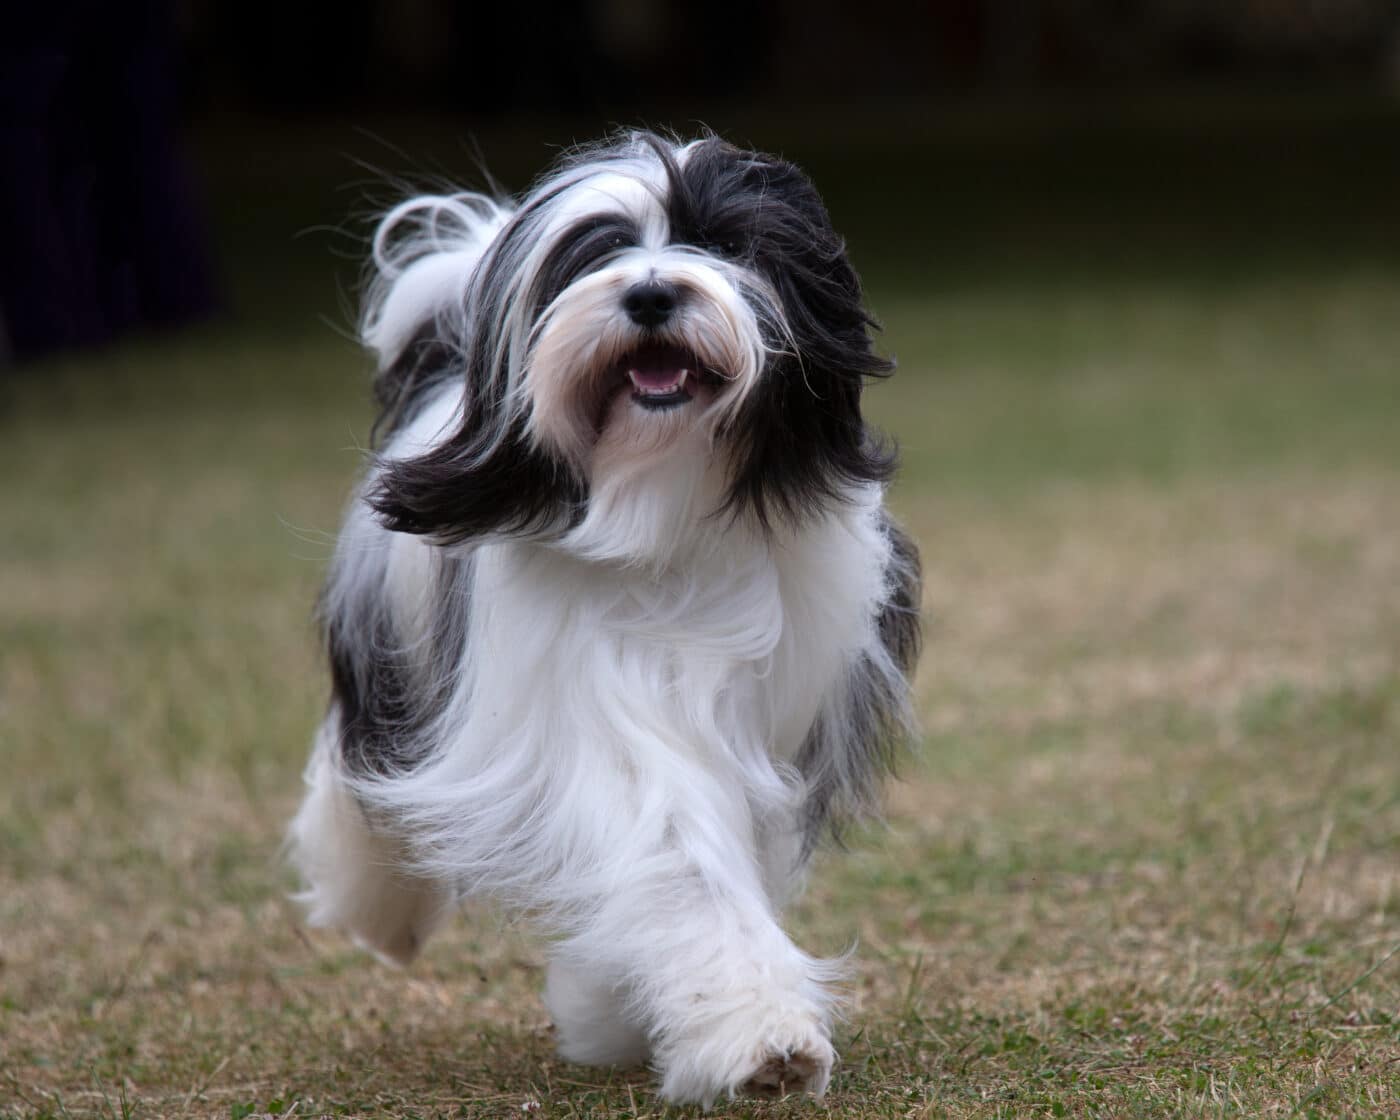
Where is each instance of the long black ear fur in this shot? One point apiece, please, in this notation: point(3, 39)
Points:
point(802, 436)
point(488, 477)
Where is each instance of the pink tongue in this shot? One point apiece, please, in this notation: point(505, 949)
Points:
point(655, 378)
point(656, 369)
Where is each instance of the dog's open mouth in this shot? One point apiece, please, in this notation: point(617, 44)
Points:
point(663, 376)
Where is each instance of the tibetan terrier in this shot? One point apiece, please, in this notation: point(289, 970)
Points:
point(618, 624)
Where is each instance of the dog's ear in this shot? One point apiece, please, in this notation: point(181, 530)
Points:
point(478, 482)
point(489, 476)
point(801, 438)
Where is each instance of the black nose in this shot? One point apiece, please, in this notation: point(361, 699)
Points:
point(650, 303)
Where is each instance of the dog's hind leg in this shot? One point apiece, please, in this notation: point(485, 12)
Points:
point(594, 1024)
point(353, 874)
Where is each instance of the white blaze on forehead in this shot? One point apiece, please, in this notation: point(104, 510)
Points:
point(635, 189)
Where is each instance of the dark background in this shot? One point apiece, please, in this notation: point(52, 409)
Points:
point(622, 56)
point(170, 162)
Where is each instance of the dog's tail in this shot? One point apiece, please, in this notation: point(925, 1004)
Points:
point(424, 253)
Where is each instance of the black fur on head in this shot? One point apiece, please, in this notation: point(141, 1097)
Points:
point(801, 436)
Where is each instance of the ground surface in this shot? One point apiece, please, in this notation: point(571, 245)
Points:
point(1148, 862)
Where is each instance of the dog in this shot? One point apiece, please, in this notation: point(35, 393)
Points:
point(618, 625)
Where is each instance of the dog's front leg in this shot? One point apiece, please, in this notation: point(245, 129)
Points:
point(737, 1007)
point(690, 946)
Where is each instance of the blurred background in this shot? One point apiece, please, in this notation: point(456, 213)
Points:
point(168, 161)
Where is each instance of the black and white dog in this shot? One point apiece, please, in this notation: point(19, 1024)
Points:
point(618, 624)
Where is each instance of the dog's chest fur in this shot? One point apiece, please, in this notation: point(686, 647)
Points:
point(730, 656)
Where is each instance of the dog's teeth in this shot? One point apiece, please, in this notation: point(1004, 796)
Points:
point(657, 390)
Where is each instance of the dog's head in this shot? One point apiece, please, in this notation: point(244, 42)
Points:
point(647, 302)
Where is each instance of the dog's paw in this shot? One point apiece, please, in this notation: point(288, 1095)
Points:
point(757, 1052)
point(803, 1071)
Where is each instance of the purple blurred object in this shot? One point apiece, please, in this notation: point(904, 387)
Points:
point(98, 215)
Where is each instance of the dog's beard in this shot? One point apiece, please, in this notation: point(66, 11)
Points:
point(656, 483)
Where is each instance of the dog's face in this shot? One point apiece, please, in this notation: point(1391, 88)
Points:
point(645, 298)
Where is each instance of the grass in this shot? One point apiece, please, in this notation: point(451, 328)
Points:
point(1147, 862)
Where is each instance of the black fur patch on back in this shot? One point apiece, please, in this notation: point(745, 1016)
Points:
point(387, 694)
point(849, 751)
point(900, 632)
